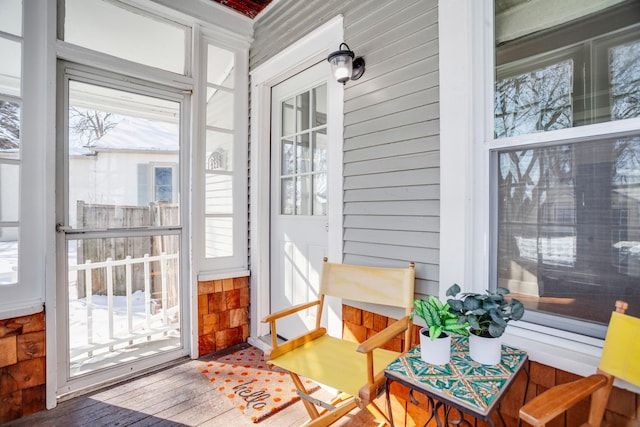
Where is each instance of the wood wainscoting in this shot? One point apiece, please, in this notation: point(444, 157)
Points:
point(22, 366)
point(223, 314)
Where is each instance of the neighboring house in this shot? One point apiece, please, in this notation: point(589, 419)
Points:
point(153, 171)
point(475, 145)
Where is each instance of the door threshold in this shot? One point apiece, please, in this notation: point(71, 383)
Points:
point(263, 342)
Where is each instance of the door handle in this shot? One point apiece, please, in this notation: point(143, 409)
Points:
point(62, 228)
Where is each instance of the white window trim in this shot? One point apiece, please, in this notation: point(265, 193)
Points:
point(466, 132)
point(300, 55)
point(38, 78)
point(238, 262)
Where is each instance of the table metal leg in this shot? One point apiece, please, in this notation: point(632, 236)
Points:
point(387, 384)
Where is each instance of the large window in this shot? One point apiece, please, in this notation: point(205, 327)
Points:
point(568, 235)
point(11, 43)
point(219, 153)
point(134, 36)
point(225, 195)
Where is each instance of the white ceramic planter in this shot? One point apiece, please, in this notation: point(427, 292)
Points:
point(487, 351)
point(436, 352)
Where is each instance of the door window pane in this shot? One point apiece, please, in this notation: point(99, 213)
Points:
point(114, 136)
point(288, 117)
point(303, 195)
point(111, 28)
point(569, 227)
point(303, 154)
point(319, 110)
point(287, 195)
point(304, 157)
point(320, 150)
point(320, 194)
point(288, 157)
point(302, 111)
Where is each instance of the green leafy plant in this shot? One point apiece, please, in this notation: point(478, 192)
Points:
point(438, 317)
point(486, 313)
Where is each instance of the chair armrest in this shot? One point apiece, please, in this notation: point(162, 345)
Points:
point(546, 406)
point(280, 349)
point(370, 390)
point(288, 311)
point(384, 336)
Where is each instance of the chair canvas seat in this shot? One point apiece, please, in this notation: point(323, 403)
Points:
point(335, 362)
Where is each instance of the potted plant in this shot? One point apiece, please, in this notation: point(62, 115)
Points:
point(435, 341)
point(487, 315)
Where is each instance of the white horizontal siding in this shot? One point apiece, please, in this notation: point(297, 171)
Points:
point(391, 135)
point(393, 222)
point(393, 179)
point(428, 192)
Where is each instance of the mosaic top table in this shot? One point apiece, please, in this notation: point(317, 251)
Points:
point(460, 387)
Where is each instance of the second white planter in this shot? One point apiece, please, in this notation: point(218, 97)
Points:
point(487, 351)
point(436, 352)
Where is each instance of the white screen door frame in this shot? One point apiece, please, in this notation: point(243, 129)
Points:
point(301, 55)
point(177, 231)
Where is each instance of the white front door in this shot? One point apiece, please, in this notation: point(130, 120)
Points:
point(299, 194)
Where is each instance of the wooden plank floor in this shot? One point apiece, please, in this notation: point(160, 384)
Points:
point(177, 396)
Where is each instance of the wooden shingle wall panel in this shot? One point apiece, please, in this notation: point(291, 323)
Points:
point(391, 169)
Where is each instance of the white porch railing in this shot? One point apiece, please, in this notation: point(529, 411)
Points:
point(153, 324)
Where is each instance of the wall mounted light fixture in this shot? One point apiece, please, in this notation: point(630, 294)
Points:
point(344, 64)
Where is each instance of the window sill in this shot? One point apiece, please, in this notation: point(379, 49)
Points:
point(220, 275)
point(572, 353)
point(25, 308)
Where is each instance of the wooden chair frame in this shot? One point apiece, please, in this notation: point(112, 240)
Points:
point(553, 402)
point(388, 286)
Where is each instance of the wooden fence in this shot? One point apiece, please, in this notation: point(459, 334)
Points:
point(96, 216)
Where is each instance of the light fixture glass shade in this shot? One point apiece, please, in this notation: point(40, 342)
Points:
point(344, 64)
point(341, 65)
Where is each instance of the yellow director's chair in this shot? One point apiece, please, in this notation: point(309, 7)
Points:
point(356, 370)
point(620, 359)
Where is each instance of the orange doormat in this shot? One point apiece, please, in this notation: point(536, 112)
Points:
point(255, 388)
